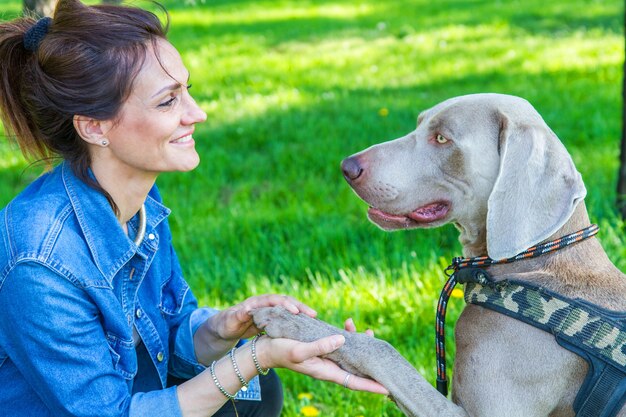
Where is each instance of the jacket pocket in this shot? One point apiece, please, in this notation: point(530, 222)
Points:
point(173, 293)
point(123, 356)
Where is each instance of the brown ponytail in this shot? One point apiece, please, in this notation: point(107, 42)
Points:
point(85, 65)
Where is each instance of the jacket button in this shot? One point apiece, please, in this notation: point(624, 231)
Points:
point(138, 313)
point(160, 356)
point(151, 236)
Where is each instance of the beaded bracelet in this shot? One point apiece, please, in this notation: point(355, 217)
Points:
point(236, 368)
point(254, 358)
point(218, 385)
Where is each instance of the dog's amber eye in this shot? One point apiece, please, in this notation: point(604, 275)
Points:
point(441, 139)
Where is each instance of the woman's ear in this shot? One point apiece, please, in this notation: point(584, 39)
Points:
point(91, 130)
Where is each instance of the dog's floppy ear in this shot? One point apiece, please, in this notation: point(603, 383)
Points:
point(537, 188)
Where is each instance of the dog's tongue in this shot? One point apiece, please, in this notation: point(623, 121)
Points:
point(429, 213)
point(425, 214)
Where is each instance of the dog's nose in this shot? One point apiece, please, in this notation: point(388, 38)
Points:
point(351, 168)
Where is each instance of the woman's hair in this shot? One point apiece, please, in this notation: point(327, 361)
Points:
point(85, 65)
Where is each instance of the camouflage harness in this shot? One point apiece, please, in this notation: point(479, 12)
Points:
point(596, 334)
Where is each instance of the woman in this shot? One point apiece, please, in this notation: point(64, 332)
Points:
point(96, 315)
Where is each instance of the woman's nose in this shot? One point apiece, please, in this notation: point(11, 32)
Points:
point(193, 113)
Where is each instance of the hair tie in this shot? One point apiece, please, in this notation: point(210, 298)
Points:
point(34, 35)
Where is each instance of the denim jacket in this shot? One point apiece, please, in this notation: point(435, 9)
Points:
point(72, 286)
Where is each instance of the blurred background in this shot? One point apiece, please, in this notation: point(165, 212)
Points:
point(293, 87)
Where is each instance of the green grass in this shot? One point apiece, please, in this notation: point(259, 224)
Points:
point(292, 87)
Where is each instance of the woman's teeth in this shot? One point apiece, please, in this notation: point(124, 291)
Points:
point(183, 139)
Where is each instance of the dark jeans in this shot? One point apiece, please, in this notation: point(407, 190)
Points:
point(271, 403)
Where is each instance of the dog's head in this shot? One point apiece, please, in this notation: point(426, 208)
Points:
point(486, 162)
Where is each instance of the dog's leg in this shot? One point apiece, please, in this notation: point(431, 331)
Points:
point(365, 356)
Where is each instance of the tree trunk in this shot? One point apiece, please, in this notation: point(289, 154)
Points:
point(38, 8)
point(621, 176)
point(41, 8)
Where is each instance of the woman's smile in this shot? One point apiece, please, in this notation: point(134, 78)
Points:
point(184, 140)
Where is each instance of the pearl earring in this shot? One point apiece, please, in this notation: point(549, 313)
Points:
point(104, 143)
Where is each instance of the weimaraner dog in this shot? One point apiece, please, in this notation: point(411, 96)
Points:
point(490, 165)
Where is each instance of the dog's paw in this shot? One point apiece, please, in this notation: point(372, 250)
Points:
point(278, 322)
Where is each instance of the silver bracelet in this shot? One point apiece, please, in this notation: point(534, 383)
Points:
point(260, 370)
point(236, 368)
point(218, 385)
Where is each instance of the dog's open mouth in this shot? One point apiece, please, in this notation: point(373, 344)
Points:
point(420, 217)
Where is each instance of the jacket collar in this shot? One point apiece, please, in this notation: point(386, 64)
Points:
point(110, 247)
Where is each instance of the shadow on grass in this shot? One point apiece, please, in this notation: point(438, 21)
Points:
point(399, 18)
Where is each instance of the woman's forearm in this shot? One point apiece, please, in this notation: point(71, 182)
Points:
point(208, 345)
point(200, 396)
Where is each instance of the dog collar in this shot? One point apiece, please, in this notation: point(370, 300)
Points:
point(459, 263)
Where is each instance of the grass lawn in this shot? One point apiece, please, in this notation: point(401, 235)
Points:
point(292, 87)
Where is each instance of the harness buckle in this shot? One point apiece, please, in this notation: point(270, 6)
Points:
point(473, 275)
point(453, 267)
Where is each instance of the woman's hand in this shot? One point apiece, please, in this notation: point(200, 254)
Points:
point(305, 358)
point(236, 323)
point(349, 326)
point(224, 329)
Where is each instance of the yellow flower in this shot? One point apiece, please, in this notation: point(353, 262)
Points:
point(457, 293)
point(309, 411)
point(305, 396)
point(383, 112)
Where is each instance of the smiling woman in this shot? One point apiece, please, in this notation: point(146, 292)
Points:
point(153, 131)
point(96, 315)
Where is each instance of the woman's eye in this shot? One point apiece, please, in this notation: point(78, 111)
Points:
point(441, 139)
point(168, 102)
